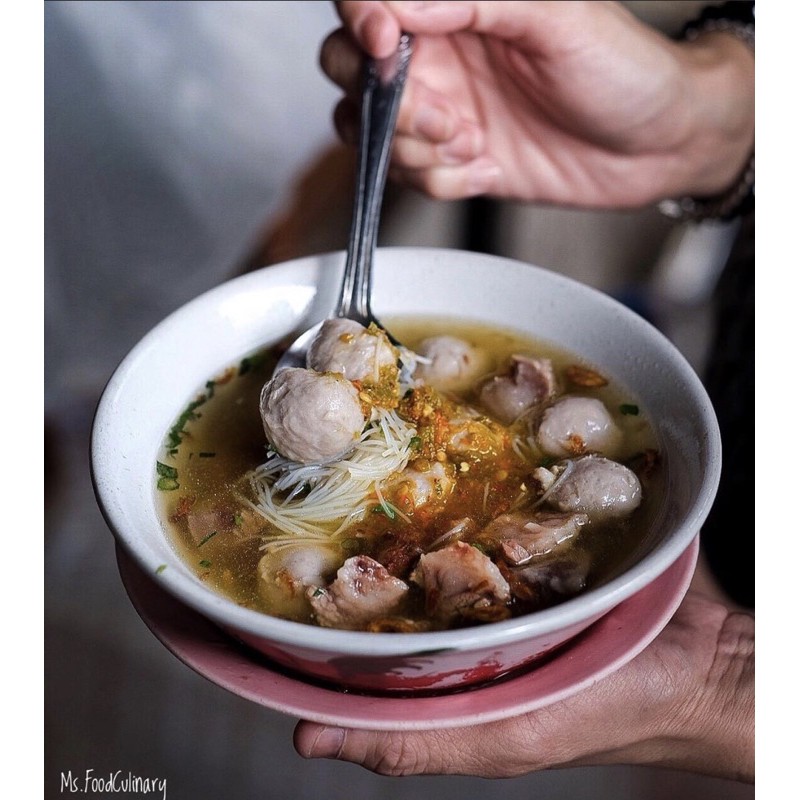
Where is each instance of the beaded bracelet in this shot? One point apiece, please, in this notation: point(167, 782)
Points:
point(733, 202)
point(740, 197)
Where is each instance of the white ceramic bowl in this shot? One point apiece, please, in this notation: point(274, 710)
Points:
point(154, 382)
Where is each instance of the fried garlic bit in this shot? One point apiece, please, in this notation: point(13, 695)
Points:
point(584, 377)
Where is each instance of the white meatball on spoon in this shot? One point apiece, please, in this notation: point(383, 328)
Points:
point(384, 80)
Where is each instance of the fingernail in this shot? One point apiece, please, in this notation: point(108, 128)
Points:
point(373, 34)
point(483, 176)
point(328, 743)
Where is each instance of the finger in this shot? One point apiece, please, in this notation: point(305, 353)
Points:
point(379, 751)
point(373, 26)
point(341, 60)
point(427, 114)
point(461, 751)
point(410, 152)
point(423, 111)
point(376, 26)
point(345, 120)
point(424, 114)
point(540, 25)
point(480, 176)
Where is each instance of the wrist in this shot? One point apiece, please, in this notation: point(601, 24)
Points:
point(720, 144)
point(714, 167)
point(716, 723)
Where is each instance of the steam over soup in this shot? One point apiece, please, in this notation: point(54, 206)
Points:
point(477, 476)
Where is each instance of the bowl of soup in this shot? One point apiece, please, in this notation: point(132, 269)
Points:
point(422, 513)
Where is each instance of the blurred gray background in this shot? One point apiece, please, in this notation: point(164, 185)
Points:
point(186, 142)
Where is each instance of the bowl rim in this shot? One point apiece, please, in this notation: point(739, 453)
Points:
point(589, 604)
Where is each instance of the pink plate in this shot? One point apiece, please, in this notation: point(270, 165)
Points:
point(606, 646)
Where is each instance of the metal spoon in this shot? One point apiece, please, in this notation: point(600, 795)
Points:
point(383, 81)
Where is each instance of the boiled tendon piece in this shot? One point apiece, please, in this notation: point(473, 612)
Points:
point(457, 579)
point(362, 592)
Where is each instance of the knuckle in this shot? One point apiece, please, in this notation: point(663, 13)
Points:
point(400, 756)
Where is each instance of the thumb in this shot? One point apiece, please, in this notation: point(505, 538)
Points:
point(511, 20)
point(455, 751)
point(384, 752)
point(377, 26)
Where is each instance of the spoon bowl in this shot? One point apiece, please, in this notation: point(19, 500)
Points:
point(383, 83)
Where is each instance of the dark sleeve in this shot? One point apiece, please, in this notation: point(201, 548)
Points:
point(735, 10)
point(728, 536)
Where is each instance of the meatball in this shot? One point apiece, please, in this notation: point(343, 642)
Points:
point(343, 345)
point(528, 382)
point(577, 425)
point(598, 487)
point(454, 364)
point(311, 417)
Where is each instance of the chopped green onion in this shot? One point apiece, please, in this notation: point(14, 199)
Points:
point(160, 568)
point(166, 471)
point(206, 538)
point(385, 508)
point(168, 477)
point(176, 432)
point(251, 362)
point(238, 519)
point(205, 563)
point(629, 409)
point(415, 442)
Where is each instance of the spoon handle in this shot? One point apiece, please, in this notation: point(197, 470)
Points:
point(383, 85)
